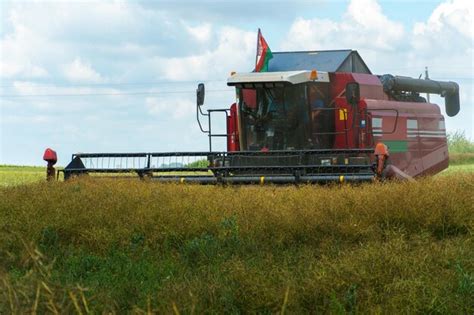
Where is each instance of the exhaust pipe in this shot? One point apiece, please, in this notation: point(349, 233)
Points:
point(449, 90)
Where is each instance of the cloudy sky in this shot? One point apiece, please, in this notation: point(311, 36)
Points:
point(98, 76)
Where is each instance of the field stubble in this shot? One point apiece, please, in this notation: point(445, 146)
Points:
point(118, 245)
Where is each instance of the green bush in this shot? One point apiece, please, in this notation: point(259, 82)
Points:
point(199, 163)
point(459, 143)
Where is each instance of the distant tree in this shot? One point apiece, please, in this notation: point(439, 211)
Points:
point(198, 163)
point(459, 143)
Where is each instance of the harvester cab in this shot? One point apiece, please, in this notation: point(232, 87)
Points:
point(283, 110)
point(313, 117)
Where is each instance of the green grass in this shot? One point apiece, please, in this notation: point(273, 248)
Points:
point(11, 175)
point(133, 246)
point(461, 149)
point(461, 158)
point(461, 168)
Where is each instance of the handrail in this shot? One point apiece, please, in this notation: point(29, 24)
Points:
point(209, 116)
point(199, 111)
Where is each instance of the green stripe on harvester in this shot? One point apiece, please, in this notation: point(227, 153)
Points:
point(396, 145)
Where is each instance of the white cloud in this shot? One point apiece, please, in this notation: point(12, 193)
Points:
point(201, 33)
point(178, 108)
point(234, 51)
point(40, 37)
point(363, 25)
point(26, 120)
point(24, 69)
point(17, 50)
point(454, 15)
point(445, 43)
point(29, 98)
point(81, 71)
point(447, 38)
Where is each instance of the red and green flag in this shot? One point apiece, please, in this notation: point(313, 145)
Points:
point(264, 54)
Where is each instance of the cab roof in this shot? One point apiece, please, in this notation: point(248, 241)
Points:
point(270, 79)
point(322, 60)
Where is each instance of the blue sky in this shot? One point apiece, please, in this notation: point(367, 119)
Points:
point(139, 63)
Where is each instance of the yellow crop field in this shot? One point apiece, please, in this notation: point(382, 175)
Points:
point(121, 246)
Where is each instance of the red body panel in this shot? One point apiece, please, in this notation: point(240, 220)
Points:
point(352, 133)
point(232, 130)
point(344, 128)
point(370, 85)
point(414, 132)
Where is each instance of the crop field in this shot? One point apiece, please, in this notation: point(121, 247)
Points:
point(129, 246)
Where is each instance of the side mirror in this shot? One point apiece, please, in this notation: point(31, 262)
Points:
point(451, 101)
point(352, 93)
point(200, 94)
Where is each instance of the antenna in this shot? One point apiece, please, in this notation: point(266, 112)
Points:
point(427, 77)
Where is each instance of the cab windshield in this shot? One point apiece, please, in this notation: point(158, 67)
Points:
point(275, 118)
point(282, 118)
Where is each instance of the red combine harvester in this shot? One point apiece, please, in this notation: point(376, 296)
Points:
point(313, 117)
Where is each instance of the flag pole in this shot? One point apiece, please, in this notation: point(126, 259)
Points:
point(256, 52)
